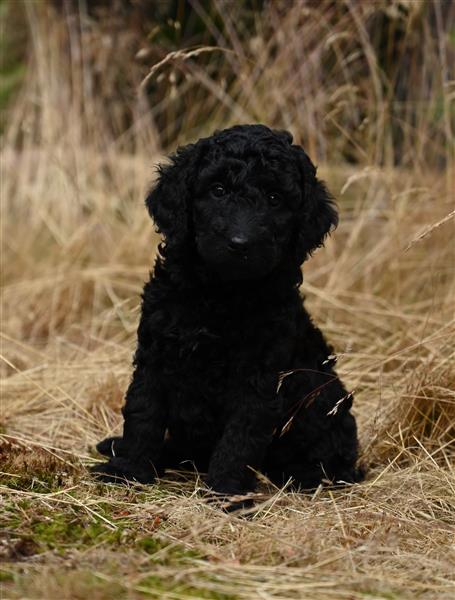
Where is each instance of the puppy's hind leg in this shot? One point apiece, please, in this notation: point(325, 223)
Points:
point(316, 451)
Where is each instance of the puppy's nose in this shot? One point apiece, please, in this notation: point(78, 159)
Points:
point(238, 243)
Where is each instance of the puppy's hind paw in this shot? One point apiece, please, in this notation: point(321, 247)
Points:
point(111, 446)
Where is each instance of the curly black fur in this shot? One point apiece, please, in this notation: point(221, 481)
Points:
point(222, 321)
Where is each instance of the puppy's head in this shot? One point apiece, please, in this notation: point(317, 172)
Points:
point(246, 199)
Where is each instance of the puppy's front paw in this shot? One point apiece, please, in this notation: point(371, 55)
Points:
point(227, 485)
point(230, 503)
point(234, 503)
point(121, 470)
point(350, 475)
point(230, 494)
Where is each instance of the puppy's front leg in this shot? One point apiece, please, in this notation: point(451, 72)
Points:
point(243, 445)
point(138, 451)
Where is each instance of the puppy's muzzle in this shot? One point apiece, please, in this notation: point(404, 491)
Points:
point(239, 244)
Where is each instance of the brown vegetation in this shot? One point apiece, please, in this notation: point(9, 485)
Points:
point(377, 114)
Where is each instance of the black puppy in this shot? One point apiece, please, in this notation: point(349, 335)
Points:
point(231, 374)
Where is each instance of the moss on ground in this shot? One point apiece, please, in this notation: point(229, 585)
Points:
point(70, 537)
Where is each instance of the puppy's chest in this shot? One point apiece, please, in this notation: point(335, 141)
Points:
point(208, 345)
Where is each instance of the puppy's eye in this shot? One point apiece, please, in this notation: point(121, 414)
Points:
point(218, 190)
point(273, 198)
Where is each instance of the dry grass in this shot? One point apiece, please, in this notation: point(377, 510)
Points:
point(77, 245)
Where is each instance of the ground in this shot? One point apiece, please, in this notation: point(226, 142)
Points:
point(67, 344)
point(77, 245)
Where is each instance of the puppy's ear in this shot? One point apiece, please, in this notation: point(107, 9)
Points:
point(169, 199)
point(318, 213)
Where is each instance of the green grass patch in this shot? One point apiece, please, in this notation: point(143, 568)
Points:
point(166, 553)
point(59, 532)
point(5, 576)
